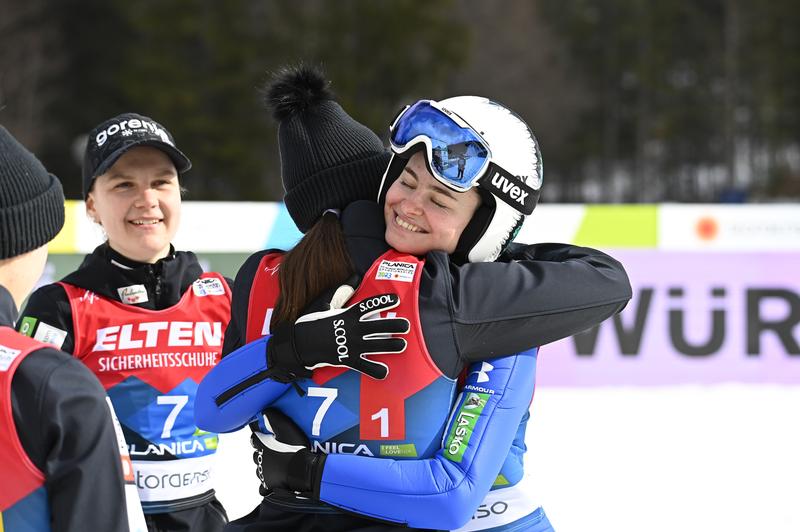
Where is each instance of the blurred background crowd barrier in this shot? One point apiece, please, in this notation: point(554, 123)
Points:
point(716, 287)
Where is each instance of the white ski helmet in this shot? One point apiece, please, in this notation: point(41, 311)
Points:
point(470, 141)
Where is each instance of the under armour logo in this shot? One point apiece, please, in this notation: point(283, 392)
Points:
point(483, 373)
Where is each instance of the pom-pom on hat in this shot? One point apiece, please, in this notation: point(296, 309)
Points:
point(328, 159)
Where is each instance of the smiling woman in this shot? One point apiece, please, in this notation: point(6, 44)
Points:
point(144, 318)
point(406, 445)
point(421, 214)
point(137, 202)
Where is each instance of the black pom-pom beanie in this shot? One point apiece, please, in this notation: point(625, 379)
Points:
point(328, 159)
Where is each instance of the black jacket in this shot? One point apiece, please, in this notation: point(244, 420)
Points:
point(532, 295)
point(65, 427)
point(103, 272)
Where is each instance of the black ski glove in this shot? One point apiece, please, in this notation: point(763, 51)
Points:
point(338, 337)
point(283, 461)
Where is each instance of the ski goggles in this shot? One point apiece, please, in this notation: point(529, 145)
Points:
point(457, 154)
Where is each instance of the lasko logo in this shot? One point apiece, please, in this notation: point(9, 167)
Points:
point(152, 334)
point(128, 127)
point(464, 425)
point(389, 270)
point(474, 401)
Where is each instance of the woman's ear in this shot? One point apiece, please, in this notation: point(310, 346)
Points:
point(91, 212)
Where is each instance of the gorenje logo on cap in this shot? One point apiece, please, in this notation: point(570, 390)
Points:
point(129, 127)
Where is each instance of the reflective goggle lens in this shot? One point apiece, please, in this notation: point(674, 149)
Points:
point(458, 156)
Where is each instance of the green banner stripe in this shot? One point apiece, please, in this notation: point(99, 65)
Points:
point(629, 226)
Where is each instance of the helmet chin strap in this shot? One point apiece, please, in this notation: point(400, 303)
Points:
point(475, 228)
point(393, 171)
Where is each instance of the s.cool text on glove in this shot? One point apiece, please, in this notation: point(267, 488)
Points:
point(340, 337)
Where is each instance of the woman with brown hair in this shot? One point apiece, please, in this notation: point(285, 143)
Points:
point(444, 226)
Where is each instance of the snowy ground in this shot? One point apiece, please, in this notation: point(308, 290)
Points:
point(696, 459)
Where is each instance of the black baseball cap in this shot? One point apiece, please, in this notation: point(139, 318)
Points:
point(111, 139)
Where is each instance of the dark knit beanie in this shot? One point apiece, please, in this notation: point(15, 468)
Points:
point(328, 159)
point(31, 200)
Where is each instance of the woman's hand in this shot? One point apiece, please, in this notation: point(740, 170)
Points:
point(283, 460)
point(343, 337)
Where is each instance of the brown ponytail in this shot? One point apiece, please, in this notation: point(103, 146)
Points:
point(318, 262)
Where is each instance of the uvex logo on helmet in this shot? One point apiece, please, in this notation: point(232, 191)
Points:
point(514, 191)
point(132, 127)
point(375, 302)
point(511, 189)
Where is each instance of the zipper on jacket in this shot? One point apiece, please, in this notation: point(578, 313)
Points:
point(158, 291)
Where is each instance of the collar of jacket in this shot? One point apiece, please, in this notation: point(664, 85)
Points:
point(364, 230)
point(105, 271)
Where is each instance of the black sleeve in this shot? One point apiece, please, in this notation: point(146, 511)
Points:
point(65, 426)
point(235, 334)
point(49, 305)
point(538, 294)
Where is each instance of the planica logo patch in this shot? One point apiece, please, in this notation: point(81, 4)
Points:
point(464, 425)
